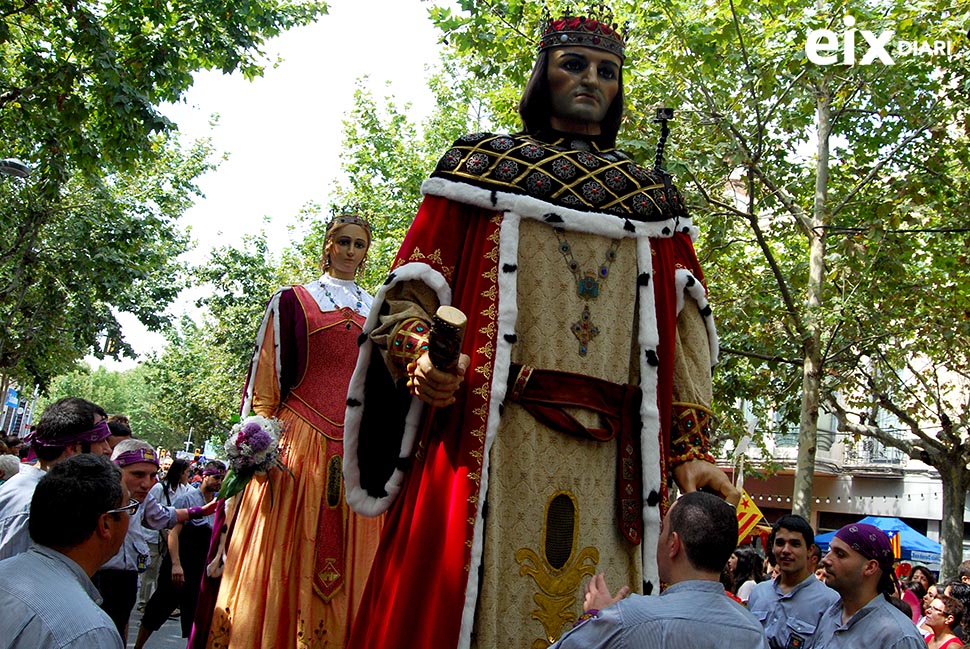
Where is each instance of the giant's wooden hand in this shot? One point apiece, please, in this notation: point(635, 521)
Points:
point(433, 386)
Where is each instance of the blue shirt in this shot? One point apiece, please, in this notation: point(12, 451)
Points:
point(791, 617)
point(877, 625)
point(15, 498)
point(194, 498)
point(156, 515)
point(688, 615)
point(48, 602)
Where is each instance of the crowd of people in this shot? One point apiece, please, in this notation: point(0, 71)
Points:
point(79, 436)
point(89, 521)
point(433, 492)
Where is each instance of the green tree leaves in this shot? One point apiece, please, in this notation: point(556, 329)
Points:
point(81, 82)
point(93, 231)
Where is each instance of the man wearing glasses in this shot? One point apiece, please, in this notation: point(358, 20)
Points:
point(78, 520)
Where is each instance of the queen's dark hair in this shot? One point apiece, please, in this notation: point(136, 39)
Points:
point(535, 107)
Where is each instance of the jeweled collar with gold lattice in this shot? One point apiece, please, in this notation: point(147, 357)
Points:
point(566, 171)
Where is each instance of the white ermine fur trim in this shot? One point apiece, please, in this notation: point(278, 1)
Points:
point(649, 339)
point(358, 498)
point(272, 309)
point(602, 223)
point(688, 285)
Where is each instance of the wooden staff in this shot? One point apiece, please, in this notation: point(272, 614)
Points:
point(445, 337)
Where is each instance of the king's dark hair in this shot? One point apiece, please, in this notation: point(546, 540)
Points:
point(535, 107)
point(71, 497)
point(708, 529)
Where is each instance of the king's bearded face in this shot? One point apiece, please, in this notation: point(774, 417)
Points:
point(583, 82)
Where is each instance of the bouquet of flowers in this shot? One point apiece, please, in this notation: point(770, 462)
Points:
point(253, 447)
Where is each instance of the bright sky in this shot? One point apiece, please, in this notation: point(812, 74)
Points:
point(282, 132)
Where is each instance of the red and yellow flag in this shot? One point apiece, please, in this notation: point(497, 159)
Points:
point(894, 540)
point(748, 516)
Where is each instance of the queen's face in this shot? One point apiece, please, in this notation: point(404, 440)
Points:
point(583, 82)
point(346, 248)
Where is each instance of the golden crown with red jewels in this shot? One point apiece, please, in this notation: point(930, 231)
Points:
point(595, 30)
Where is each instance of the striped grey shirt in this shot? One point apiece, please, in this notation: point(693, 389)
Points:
point(48, 602)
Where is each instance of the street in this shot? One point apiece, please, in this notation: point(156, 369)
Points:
point(168, 637)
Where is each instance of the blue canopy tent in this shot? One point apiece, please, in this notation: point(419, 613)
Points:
point(913, 546)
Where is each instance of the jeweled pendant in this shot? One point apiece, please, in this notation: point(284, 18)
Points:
point(588, 287)
point(585, 331)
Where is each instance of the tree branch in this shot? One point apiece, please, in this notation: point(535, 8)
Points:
point(847, 426)
point(28, 4)
point(762, 357)
point(765, 249)
point(501, 17)
point(801, 219)
point(727, 207)
point(12, 95)
point(747, 66)
point(876, 168)
point(781, 96)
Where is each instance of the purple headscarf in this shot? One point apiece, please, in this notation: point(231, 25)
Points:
point(872, 543)
point(138, 455)
point(96, 434)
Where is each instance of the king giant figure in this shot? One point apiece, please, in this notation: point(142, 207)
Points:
point(584, 383)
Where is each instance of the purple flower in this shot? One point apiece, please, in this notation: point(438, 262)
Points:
point(259, 440)
point(248, 430)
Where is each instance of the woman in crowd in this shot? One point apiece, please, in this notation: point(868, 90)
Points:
point(920, 580)
point(925, 602)
point(184, 562)
point(748, 572)
point(942, 615)
point(297, 558)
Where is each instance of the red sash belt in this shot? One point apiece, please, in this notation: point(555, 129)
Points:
point(545, 394)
